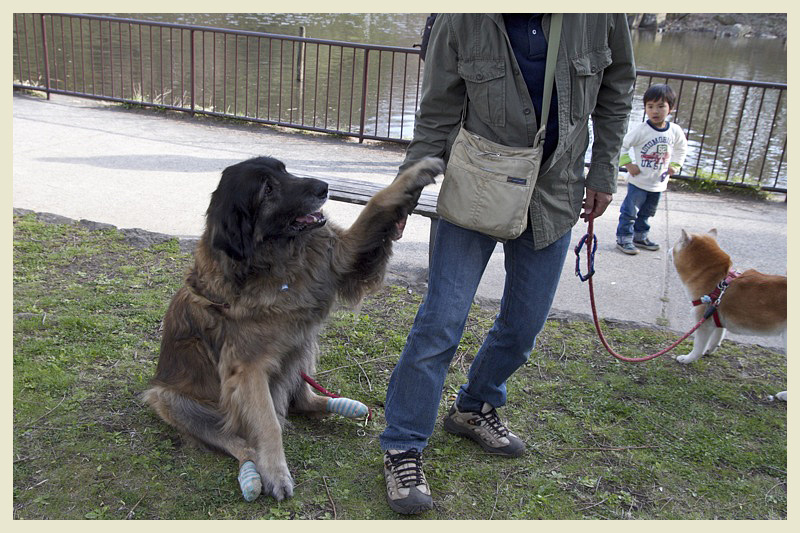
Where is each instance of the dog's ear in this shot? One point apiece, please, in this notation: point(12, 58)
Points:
point(713, 232)
point(233, 235)
point(230, 215)
point(684, 236)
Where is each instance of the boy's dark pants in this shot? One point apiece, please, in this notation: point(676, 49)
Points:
point(639, 205)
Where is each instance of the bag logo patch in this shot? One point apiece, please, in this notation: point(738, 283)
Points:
point(517, 181)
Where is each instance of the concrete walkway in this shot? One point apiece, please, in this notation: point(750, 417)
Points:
point(155, 171)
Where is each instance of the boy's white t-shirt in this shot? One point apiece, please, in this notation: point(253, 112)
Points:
point(653, 151)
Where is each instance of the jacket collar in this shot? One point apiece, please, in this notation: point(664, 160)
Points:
point(498, 19)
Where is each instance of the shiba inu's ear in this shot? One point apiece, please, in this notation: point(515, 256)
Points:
point(684, 236)
point(713, 232)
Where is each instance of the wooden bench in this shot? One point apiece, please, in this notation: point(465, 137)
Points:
point(359, 192)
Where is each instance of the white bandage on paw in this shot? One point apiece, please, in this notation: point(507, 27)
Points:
point(346, 407)
point(249, 481)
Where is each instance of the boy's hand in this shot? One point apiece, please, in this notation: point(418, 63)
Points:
point(633, 169)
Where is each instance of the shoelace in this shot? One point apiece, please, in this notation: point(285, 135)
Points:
point(407, 468)
point(491, 420)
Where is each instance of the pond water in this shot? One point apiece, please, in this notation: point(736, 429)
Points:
point(685, 53)
point(734, 122)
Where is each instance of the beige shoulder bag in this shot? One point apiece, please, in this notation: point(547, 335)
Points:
point(487, 186)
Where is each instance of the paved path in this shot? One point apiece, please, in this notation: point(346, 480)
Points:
point(155, 171)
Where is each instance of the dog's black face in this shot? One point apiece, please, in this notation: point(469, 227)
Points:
point(257, 200)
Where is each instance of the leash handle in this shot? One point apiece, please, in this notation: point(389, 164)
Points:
point(590, 261)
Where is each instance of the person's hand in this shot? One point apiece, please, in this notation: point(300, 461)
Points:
point(633, 169)
point(595, 203)
point(399, 227)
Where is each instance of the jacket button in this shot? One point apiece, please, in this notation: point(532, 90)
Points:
point(527, 111)
point(480, 76)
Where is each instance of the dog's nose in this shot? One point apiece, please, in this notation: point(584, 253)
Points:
point(319, 189)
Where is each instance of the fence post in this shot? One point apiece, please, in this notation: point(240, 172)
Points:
point(192, 70)
point(364, 83)
point(46, 59)
point(301, 57)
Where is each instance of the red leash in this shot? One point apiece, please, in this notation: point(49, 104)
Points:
point(592, 239)
point(308, 379)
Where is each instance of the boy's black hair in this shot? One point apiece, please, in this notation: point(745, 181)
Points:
point(658, 92)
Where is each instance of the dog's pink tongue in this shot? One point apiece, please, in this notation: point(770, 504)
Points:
point(310, 218)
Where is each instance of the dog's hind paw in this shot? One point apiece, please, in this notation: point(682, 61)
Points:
point(346, 407)
point(249, 481)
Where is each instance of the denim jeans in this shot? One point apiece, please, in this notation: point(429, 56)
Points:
point(458, 261)
point(634, 214)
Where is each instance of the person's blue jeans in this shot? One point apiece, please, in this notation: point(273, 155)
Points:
point(458, 260)
point(634, 214)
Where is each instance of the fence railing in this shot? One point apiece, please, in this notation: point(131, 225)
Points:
point(736, 129)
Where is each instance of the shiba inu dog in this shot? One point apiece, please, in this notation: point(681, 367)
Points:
point(750, 303)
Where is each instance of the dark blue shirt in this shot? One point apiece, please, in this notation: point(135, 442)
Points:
point(530, 49)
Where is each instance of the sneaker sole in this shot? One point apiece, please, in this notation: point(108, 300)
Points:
point(628, 252)
point(410, 509)
point(454, 429)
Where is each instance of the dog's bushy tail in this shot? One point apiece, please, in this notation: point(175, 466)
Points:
point(190, 417)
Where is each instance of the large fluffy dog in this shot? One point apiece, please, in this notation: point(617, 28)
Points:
point(753, 303)
point(267, 271)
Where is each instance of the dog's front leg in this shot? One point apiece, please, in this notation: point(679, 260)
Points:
point(701, 338)
point(247, 398)
point(714, 340)
point(362, 253)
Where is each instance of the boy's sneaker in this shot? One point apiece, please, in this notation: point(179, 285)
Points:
point(486, 429)
point(646, 244)
point(627, 248)
point(407, 490)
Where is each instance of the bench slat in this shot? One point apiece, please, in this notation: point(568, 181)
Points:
point(359, 192)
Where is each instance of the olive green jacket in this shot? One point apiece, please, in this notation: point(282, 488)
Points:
point(470, 53)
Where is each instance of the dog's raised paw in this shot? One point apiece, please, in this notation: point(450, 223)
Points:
point(426, 169)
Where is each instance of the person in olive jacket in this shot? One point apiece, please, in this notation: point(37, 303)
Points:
point(494, 64)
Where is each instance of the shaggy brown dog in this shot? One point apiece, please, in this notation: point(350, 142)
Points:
point(267, 272)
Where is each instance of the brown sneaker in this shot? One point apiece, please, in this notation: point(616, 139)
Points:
point(407, 490)
point(486, 429)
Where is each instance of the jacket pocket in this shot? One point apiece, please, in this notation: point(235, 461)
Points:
point(486, 88)
point(586, 76)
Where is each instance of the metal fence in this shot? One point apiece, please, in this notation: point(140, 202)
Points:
point(736, 129)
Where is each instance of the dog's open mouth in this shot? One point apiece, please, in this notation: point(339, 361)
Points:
point(309, 221)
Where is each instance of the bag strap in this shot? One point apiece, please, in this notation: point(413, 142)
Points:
point(550, 65)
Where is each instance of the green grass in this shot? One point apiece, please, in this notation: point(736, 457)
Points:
point(606, 439)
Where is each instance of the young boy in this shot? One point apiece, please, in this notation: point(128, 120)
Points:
point(659, 148)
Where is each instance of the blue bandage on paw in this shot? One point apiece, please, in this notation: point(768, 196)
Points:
point(249, 481)
point(346, 407)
